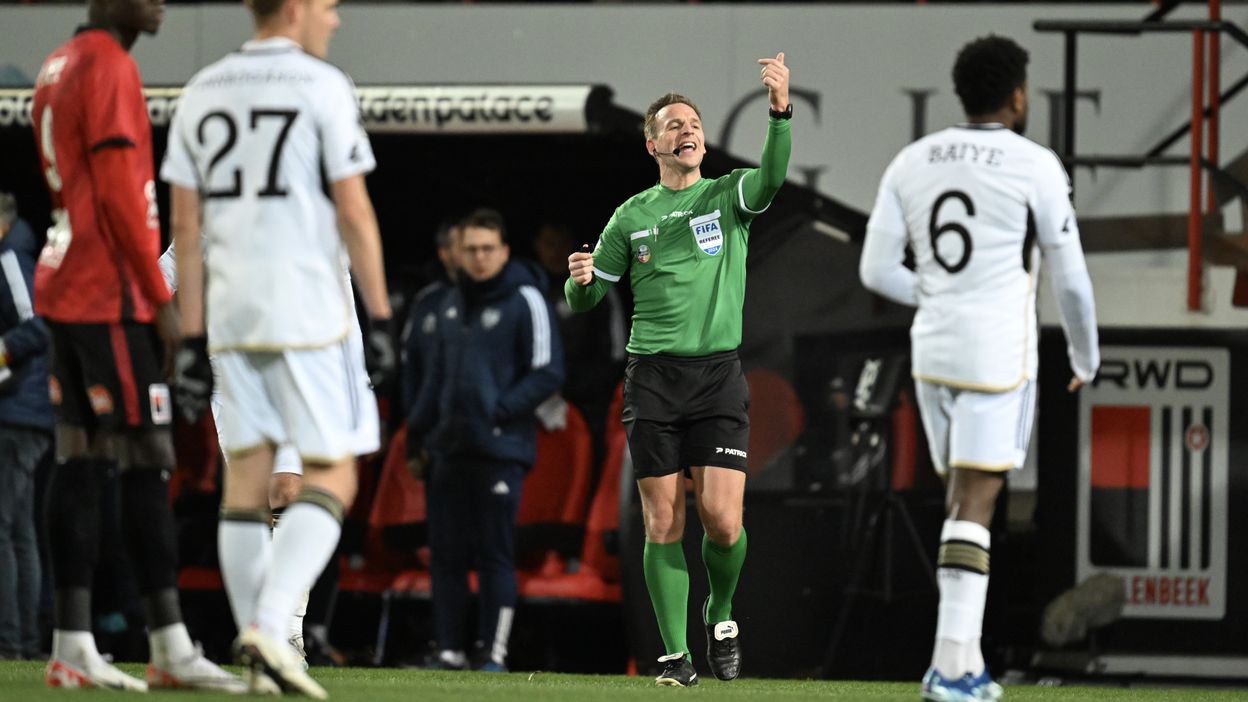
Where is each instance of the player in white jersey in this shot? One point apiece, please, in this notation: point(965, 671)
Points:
point(253, 134)
point(287, 478)
point(974, 202)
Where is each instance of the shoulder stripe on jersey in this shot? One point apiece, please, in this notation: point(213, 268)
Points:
point(606, 276)
point(541, 325)
point(17, 285)
point(1029, 239)
point(704, 218)
point(113, 142)
point(327, 188)
point(741, 198)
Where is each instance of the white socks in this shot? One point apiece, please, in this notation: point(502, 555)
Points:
point(962, 573)
point(295, 628)
point(170, 643)
point(76, 648)
point(301, 548)
point(246, 551)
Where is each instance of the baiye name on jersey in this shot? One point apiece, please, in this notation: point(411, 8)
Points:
point(965, 151)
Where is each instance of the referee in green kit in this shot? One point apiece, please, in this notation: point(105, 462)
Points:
point(685, 398)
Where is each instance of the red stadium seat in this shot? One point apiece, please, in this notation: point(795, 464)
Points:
point(400, 497)
point(557, 488)
point(598, 577)
point(555, 497)
point(199, 578)
point(776, 417)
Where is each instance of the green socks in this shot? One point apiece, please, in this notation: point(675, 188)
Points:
point(667, 579)
point(723, 567)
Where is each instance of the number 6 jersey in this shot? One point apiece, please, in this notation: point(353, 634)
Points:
point(974, 202)
point(261, 134)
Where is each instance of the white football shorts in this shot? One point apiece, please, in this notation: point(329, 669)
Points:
point(317, 401)
point(286, 458)
point(976, 430)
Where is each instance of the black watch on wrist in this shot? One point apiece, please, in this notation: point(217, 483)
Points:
point(787, 113)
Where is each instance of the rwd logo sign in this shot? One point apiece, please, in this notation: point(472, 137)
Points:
point(1153, 478)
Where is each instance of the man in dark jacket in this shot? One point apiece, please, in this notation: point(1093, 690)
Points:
point(420, 330)
point(497, 357)
point(25, 433)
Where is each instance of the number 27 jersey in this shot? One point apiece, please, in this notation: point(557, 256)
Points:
point(973, 202)
point(258, 134)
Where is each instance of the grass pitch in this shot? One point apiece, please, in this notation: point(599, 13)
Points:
point(23, 682)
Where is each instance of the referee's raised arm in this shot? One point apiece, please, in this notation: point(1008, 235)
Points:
point(760, 185)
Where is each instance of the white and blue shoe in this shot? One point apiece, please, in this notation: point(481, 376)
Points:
point(968, 688)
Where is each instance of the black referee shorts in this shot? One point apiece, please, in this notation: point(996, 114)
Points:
point(686, 411)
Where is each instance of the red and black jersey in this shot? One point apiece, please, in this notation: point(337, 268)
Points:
point(95, 143)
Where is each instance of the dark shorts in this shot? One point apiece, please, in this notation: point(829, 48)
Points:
point(108, 376)
point(686, 411)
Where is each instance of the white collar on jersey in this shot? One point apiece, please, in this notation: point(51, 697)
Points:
point(986, 126)
point(271, 44)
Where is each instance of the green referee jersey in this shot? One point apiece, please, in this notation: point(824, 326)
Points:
point(685, 251)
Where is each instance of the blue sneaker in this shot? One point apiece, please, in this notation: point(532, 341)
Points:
point(492, 666)
point(968, 688)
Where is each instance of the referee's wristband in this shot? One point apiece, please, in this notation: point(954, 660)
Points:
point(787, 113)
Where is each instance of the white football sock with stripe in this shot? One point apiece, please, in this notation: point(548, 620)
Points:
point(301, 548)
point(295, 630)
point(962, 574)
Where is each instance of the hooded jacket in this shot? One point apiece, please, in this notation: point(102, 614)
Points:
point(24, 398)
point(497, 356)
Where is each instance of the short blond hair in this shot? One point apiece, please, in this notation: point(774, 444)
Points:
point(652, 112)
point(264, 9)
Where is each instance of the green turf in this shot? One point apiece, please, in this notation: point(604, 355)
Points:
point(23, 682)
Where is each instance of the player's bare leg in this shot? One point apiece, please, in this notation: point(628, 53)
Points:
point(720, 497)
point(962, 573)
point(667, 574)
point(146, 458)
point(72, 514)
